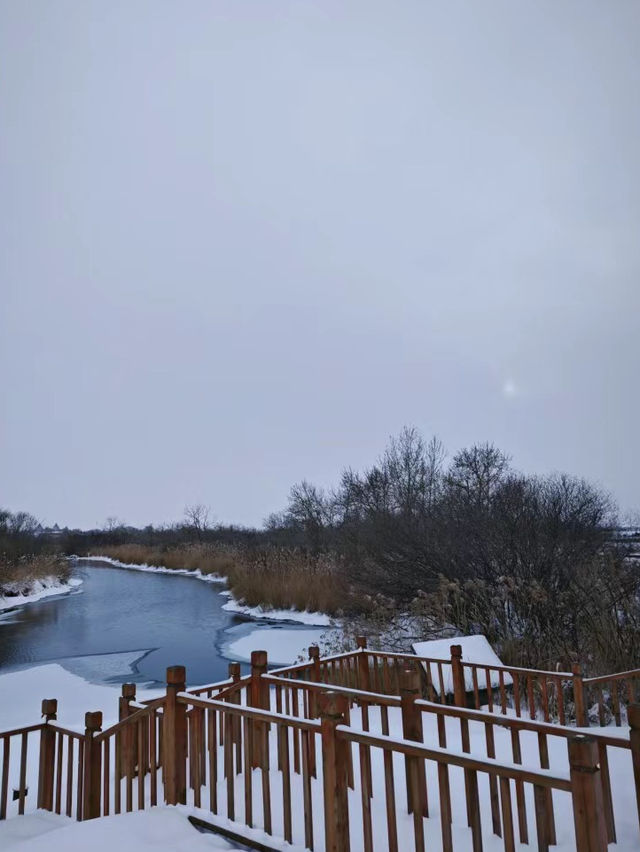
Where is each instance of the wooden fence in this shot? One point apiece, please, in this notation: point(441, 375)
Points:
point(306, 754)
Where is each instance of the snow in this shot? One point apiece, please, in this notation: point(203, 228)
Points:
point(44, 588)
point(161, 829)
point(75, 695)
point(282, 646)
point(154, 569)
point(320, 619)
point(475, 649)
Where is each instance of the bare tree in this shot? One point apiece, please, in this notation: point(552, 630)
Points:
point(197, 518)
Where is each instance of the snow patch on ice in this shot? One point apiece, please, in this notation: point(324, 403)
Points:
point(282, 646)
point(320, 619)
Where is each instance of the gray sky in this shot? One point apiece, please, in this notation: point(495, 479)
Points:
point(241, 243)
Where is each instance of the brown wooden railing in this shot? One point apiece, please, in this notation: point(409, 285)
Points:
point(305, 751)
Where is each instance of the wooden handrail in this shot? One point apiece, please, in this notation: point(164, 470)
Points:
point(540, 777)
point(447, 662)
point(250, 712)
point(26, 730)
point(358, 694)
point(616, 676)
point(134, 718)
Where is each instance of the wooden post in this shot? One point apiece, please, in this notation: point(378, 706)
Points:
point(457, 674)
point(410, 691)
point(363, 664)
point(333, 709)
point(47, 755)
point(582, 720)
point(259, 698)
point(175, 739)
point(588, 810)
point(92, 776)
point(633, 714)
point(314, 676)
point(126, 740)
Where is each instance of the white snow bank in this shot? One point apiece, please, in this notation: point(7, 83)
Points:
point(44, 588)
point(475, 649)
point(154, 569)
point(318, 618)
point(160, 829)
point(25, 689)
point(282, 646)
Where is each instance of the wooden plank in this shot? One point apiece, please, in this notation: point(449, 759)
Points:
point(286, 782)
point(153, 767)
point(24, 744)
point(445, 807)
point(308, 743)
point(105, 777)
point(507, 815)
point(365, 798)
point(521, 804)
point(4, 790)
point(59, 760)
point(69, 776)
point(212, 743)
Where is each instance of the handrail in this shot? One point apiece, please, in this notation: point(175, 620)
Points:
point(464, 662)
point(26, 730)
point(359, 694)
point(236, 686)
point(129, 720)
point(251, 712)
point(540, 777)
point(66, 731)
point(309, 664)
point(616, 676)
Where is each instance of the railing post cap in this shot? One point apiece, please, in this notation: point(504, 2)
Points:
point(49, 706)
point(258, 658)
point(409, 680)
point(633, 715)
point(361, 641)
point(456, 650)
point(576, 669)
point(234, 670)
point(314, 652)
point(93, 720)
point(176, 675)
point(582, 753)
point(332, 705)
point(128, 690)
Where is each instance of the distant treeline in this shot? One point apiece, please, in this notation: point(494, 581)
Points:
point(465, 542)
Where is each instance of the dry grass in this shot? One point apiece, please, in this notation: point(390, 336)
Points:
point(273, 577)
point(17, 576)
point(206, 558)
point(286, 579)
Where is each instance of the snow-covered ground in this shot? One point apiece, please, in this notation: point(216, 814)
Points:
point(312, 618)
point(159, 829)
point(282, 646)
point(44, 588)
point(166, 830)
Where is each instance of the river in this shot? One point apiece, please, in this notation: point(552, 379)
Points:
point(122, 625)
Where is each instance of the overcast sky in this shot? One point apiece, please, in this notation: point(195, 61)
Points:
point(242, 243)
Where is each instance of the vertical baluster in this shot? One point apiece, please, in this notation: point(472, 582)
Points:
point(507, 815)
point(520, 799)
point(248, 778)
point(23, 772)
point(286, 780)
point(212, 742)
point(105, 776)
point(153, 765)
point(59, 759)
point(4, 790)
point(308, 745)
point(69, 801)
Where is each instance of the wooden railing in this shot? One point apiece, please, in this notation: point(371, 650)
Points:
point(305, 751)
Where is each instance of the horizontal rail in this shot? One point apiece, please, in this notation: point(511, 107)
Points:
point(323, 660)
point(616, 676)
point(447, 662)
point(236, 686)
point(357, 694)
point(65, 731)
point(123, 723)
point(540, 777)
point(17, 731)
point(518, 723)
point(250, 712)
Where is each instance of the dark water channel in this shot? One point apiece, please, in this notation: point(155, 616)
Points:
point(122, 625)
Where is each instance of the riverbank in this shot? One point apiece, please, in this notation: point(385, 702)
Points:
point(12, 595)
point(262, 611)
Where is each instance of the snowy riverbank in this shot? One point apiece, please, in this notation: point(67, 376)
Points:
point(36, 590)
point(318, 619)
